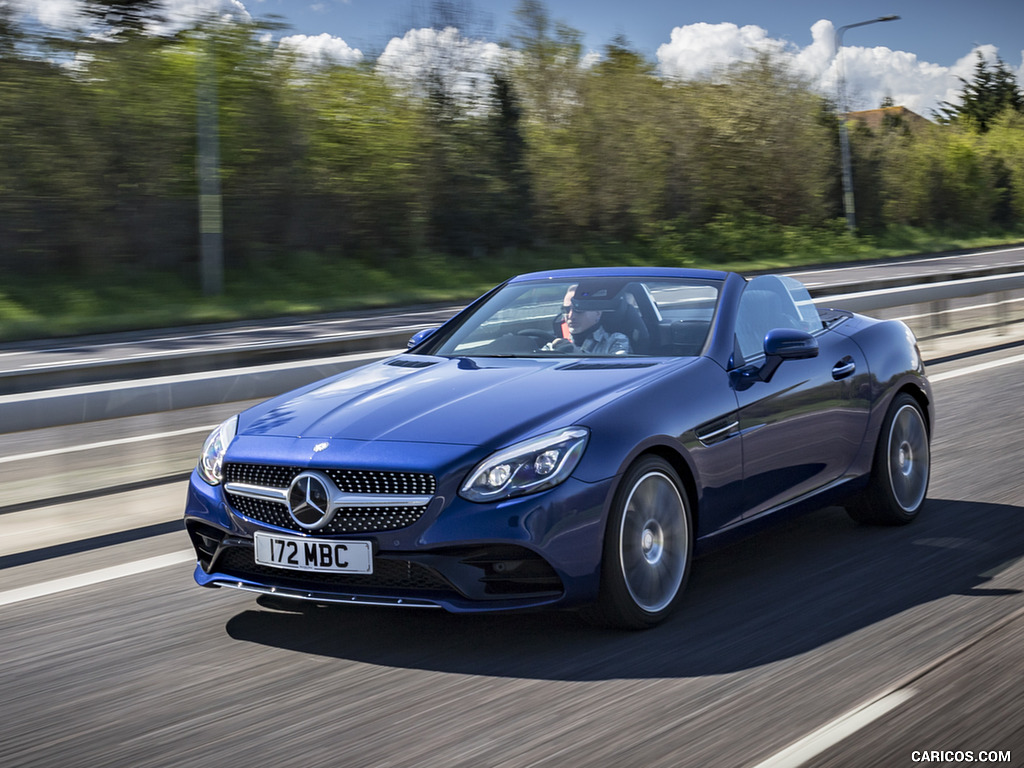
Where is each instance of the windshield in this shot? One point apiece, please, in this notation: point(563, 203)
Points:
point(603, 317)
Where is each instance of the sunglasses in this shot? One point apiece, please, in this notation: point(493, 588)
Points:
point(567, 308)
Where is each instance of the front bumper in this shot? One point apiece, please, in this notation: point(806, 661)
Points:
point(534, 551)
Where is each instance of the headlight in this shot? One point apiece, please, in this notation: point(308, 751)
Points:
point(527, 467)
point(211, 461)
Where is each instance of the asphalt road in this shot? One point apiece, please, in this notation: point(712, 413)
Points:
point(819, 642)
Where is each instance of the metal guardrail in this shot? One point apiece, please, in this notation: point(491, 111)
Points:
point(923, 293)
point(164, 358)
point(106, 400)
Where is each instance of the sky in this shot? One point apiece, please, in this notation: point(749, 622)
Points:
point(915, 60)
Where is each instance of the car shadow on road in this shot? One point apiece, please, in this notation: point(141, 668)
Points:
point(772, 596)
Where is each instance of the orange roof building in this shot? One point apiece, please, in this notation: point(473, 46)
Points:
point(889, 117)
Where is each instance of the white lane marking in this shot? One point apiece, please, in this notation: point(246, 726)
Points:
point(95, 577)
point(936, 377)
point(813, 744)
point(105, 444)
point(77, 361)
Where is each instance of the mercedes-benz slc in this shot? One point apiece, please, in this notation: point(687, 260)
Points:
point(572, 439)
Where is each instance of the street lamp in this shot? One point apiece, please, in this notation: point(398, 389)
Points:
point(844, 138)
point(211, 225)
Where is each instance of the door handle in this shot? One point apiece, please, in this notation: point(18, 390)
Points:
point(843, 368)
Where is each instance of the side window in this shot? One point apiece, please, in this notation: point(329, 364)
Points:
point(810, 318)
point(767, 303)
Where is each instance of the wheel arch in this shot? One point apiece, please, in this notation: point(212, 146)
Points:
point(682, 467)
point(618, 605)
point(922, 399)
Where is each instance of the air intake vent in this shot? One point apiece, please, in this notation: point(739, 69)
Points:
point(402, 362)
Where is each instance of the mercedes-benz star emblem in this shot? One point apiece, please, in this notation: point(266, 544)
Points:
point(309, 500)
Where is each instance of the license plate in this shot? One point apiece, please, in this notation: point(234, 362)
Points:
point(300, 554)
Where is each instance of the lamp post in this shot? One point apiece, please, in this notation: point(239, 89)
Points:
point(844, 138)
point(211, 227)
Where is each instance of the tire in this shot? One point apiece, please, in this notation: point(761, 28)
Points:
point(648, 548)
point(900, 471)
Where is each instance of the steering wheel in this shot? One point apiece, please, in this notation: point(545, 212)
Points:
point(540, 336)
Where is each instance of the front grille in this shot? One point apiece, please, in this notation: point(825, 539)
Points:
point(347, 520)
point(347, 480)
point(387, 574)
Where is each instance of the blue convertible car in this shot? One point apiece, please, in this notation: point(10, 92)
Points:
point(571, 439)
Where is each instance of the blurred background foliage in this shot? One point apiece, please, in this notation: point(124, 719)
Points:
point(344, 187)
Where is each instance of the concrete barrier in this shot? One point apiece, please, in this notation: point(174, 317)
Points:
point(95, 402)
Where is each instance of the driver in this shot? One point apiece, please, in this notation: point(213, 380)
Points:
point(582, 332)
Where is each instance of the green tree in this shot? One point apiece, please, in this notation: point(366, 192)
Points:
point(941, 179)
point(515, 213)
point(985, 96)
point(620, 134)
point(363, 150)
point(764, 145)
point(547, 78)
point(124, 18)
point(1004, 145)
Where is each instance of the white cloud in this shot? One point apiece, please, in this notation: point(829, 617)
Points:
point(590, 60)
point(699, 50)
point(57, 14)
point(871, 74)
point(67, 15)
point(321, 50)
point(425, 57)
point(183, 13)
point(462, 65)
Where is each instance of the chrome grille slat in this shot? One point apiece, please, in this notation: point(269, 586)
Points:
point(347, 480)
point(380, 500)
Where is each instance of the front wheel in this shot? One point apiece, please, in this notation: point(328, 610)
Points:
point(901, 468)
point(647, 550)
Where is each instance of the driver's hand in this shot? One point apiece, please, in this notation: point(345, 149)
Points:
point(564, 346)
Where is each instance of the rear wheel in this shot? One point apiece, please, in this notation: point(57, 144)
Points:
point(647, 550)
point(901, 469)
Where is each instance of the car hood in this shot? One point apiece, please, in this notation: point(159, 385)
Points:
point(463, 401)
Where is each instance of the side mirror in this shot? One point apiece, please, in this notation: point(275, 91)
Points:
point(785, 344)
point(419, 337)
point(790, 344)
point(779, 344)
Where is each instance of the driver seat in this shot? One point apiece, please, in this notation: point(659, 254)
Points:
point(625, 319)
